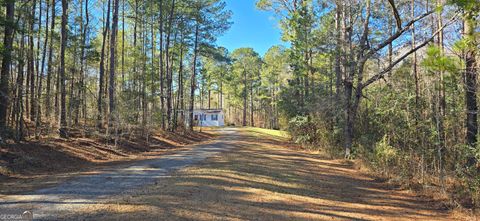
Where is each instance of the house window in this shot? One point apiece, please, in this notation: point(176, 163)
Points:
point(196, 117)
point(214, 117)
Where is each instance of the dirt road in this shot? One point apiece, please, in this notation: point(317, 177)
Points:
point(243, 175)
point(55, 202)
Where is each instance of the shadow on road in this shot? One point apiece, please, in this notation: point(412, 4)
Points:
point(261, 179)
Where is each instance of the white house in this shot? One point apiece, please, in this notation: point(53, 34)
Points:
point(208, 118)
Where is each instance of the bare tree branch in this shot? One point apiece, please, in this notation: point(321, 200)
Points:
point(396, 35)
point(398, 60)
point(396, 14)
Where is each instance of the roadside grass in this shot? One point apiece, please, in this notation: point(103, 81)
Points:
point(262, 131)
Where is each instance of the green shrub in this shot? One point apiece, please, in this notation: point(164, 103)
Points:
point(385, 154)
point(302, 130)
point(313, 133)
point(469, 175)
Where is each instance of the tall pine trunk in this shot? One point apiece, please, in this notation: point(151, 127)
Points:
point(50, 63)
point(168, 68)
point(179, 104)
point(102, 71)
point(252, 123)
point(6, 61)
point(193, 79)
point(470, 76)
point(63, 121)
point(162, 69)
point(113, 46)
point(181, 84)
point(83, 90)
point(31, 63)
point(18, 109)
point(40, 80)
point(245, 97)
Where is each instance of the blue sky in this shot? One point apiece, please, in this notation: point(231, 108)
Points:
point(251, 28)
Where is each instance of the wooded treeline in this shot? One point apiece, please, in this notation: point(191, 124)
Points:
point(107, 66)
point(391, 82)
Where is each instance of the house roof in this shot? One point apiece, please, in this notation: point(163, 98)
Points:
point(208, 110)
point(205, 110)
